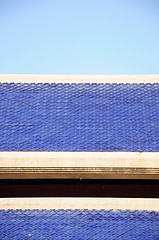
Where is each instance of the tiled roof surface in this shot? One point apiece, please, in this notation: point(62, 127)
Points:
point(78, 224)
point(79, 117)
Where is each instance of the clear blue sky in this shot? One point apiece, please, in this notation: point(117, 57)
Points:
point(79, 36)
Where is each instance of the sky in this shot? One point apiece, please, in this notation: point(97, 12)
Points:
point(79, 36)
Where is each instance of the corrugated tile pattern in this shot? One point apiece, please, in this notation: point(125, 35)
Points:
point(79, 117)
point(78, 224)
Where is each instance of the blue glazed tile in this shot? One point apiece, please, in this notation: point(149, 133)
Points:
point(79, 117)
point(77, 224)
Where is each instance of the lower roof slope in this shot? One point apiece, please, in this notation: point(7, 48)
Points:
point(78, 224)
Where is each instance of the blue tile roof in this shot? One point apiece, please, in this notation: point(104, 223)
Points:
point(78, 224)
point(79, 117)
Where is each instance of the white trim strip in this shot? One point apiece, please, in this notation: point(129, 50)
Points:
point(95, 165)
point(35, 78)
point(80, 203)
point(80, 159)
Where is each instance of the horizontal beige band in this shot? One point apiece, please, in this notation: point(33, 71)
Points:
point(131, 165)
point(80, 159)
point(35, 78)
point(80, 203)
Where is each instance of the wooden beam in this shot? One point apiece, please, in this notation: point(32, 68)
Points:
point(79, 165)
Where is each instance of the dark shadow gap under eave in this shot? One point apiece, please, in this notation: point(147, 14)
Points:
point(79, 188)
